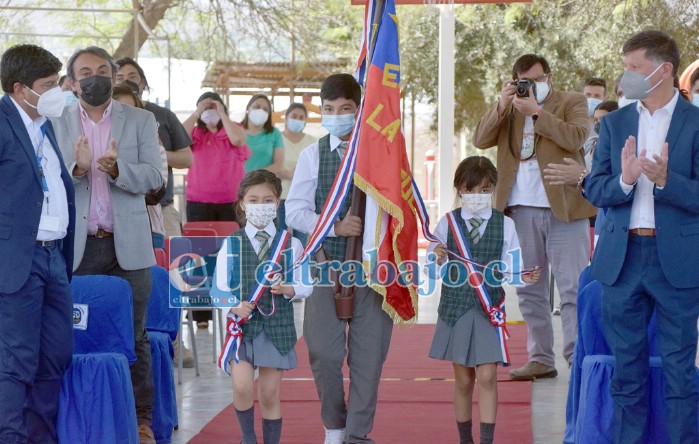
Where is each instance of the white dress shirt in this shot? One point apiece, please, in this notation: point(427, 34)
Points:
point(55, 203)
point(302, 291)
point(652, 133)
point(510, 239)
point(301, 201)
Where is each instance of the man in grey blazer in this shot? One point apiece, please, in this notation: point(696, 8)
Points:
point(111, 150)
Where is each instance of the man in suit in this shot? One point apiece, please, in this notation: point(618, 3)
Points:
point(112, 153)
point(37, 219)
point(646, 171)
point(532, 127)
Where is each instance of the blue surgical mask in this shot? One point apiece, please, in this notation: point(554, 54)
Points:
point(70, 97)
point(338, 125)
point(295, 125)
point(695, 99)
point(591, 105)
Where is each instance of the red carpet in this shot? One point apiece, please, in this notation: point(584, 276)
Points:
point(415, 398)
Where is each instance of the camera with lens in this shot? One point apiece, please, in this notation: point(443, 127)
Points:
point(522, 87)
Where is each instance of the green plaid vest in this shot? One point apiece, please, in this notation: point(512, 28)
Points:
point(329, 163)
point(279, 327)
point(455, 301)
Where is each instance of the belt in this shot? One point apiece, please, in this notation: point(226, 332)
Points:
point(47, 244)
point(642, 231)
point(100, 234)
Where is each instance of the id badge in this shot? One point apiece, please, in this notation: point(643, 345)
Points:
point(48, 223)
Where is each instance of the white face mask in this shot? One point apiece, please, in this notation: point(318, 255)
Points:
point(542, 91)
point(475, 202)
point(210, 117)
point(695, 99)
point(258, 117)
point(51, 102)
point(260, 215)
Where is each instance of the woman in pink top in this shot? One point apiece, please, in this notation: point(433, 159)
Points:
point(219, 153)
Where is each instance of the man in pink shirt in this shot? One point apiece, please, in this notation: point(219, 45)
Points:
point(111, 150)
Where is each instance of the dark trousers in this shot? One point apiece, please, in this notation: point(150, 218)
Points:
point(100, 258)
point(204, 212)
point(36, 346)
point(626, 309)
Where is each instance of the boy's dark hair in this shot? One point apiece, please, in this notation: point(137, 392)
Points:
point(693, 78)
point(268, 127)
point(121, 89)
point(296, 105)
point(658, 46)
point(214, 96)
point(94, 50)
point(257, 177)
point(472, 170)
point(343, 86)
point(26, 64)
point(596, 81)
point(608, 105)
point(129, 61)
point(525, 63)
point(62, 80)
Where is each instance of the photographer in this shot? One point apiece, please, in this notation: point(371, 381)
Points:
point(533, 125)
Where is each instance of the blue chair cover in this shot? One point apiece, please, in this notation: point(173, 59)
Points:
point(162, 324)
point(96, 403)
point(110, 316)
point(160, 316)
point(595, 422)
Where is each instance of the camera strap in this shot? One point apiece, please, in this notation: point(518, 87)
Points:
point(510, 138)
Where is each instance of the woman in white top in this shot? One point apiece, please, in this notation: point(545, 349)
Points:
point(295, 140)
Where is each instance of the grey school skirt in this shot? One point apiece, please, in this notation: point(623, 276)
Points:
point(261, 352)
point(470, 342)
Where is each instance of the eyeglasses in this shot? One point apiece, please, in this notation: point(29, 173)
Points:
point(541, 79)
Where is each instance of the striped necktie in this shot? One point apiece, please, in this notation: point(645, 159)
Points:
point(263, 237)
point(474, 233)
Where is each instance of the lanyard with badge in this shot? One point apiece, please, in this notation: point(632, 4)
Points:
point(47, 222)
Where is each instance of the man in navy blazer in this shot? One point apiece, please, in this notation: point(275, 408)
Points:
point(646, 171)
point(37, 219)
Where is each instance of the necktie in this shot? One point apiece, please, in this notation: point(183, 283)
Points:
point(341, 148)
point(263, 237)
point(474, 233)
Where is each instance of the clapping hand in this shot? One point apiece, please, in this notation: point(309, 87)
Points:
point(108, 162)
point(656, 169)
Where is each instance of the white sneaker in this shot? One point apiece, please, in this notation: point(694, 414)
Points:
point(334, 436)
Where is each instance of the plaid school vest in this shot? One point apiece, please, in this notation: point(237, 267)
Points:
point(455, 301)
point(279, 327)
point(328, 164)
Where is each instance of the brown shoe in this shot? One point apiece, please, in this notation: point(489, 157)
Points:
point(145, 435)
point(533, 370)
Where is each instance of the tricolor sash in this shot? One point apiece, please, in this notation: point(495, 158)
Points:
point(495, 313)
point(234, 327)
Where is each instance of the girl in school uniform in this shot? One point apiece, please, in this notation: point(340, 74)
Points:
point(269, 335)
point(464, 333)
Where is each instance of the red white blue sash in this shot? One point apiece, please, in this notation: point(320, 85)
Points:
point(495, 313)
point(234, 327)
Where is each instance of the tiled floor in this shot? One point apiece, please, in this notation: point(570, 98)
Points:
point(201, 398)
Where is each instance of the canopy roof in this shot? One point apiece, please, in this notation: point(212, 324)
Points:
point(277, 78)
